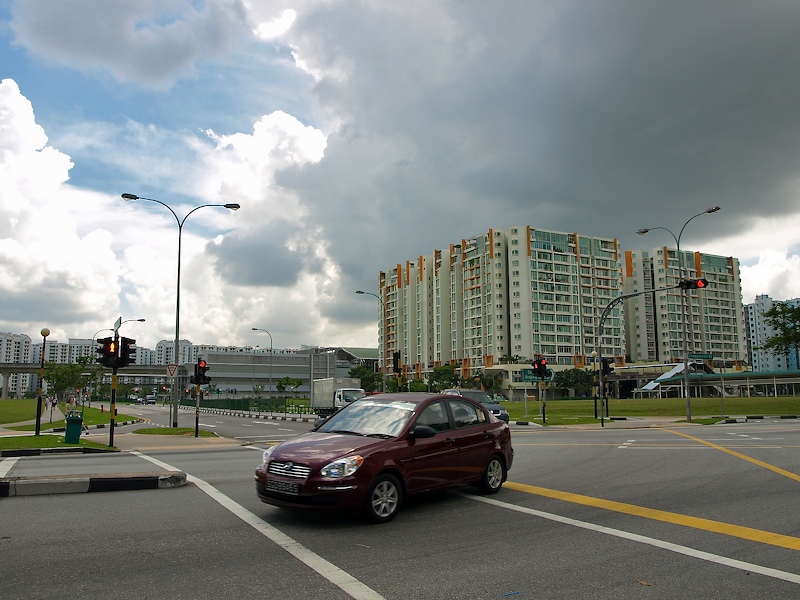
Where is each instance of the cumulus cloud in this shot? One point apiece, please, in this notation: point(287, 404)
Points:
point(48, 270)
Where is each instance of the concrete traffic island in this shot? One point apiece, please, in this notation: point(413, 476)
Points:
point(74, 484)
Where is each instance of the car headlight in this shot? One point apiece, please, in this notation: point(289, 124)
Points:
point(265, 456)
point(342, 467)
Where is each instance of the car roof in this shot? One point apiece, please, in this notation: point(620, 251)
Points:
point(408, 397)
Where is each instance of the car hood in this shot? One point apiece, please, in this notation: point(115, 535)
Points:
point(314, 448)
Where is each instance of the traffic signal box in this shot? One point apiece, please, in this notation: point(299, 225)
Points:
point(116, 354)
point(200, 376)
point(128, 352)
point(693, 284)
point(108, 352)
point(606, 367)
point(540, 368)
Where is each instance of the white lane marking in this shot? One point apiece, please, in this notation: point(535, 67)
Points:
point(343, 580)
point(265, 423)
point(714, 558)
point(6, 465)
point(626, 444)
point(207, 425)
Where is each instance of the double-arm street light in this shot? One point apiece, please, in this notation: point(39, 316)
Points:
point(383, 338)
point(180, 222)
point(271, 358)
point(681, 276)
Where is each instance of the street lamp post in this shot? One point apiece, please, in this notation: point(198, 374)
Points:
point(684, 303)
point(180, 222)
point(45, 332)
point(383, 337)
point(271, 358)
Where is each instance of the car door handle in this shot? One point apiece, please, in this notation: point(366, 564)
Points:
point(449, 441)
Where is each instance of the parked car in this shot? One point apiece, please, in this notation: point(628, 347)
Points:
point(380, 449)
point(496, 409)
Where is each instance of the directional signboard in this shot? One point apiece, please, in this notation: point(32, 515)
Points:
point(701, 355)
point(527, 375)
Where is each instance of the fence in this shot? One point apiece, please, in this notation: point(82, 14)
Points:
point(256, 405)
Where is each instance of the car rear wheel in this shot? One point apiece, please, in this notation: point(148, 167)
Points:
point(493, 476)
point(383, 499)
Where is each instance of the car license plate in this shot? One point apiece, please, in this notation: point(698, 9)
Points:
point(283, 486)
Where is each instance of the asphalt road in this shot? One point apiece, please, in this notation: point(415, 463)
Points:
point(672, 512)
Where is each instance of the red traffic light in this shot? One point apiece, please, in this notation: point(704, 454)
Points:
point(543, 361)
point(201, 363)
point(693, 284)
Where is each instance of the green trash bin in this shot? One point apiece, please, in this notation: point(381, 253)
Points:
point(74, 427)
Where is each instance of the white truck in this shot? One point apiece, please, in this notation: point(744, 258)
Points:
point(330, 394)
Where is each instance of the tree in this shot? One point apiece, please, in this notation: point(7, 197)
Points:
point(288, 383)
point(418, 385)
point(578, 380)
point(512, 359)
point(444, 377)
point(63, 376)
point(370, 380)
point(491, 383)
point(784, 319)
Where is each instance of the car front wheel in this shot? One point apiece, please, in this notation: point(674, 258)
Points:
point(493, 476)
point(383, 499)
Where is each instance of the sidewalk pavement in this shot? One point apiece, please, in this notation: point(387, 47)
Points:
point(100, 482)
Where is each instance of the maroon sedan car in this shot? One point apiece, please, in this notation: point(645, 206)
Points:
point(381, 448)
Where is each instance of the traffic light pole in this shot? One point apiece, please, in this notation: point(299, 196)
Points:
point(197, 410)
point(113, 415)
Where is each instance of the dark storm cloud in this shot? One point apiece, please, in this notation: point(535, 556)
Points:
point(268, 256)
point(592, 117)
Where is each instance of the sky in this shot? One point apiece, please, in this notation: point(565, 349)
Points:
point(359, 135)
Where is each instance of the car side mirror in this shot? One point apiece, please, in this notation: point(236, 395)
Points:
point(318, 423)
point(422, 431)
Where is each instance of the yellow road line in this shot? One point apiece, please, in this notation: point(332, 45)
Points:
point(746, 533)
point(755, 461)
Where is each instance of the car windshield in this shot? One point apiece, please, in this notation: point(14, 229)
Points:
point(370, 418)
point(478, 395)
point(350, 395)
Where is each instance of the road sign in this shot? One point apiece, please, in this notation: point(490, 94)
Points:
point(527, 375)
point(701, 356)
point(172, 368)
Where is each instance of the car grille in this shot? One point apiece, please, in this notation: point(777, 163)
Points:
point(289, 469)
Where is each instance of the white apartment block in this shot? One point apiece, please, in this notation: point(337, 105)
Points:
point(514, 292)
point(16, 348)
point(759, 332)
point(714, 315)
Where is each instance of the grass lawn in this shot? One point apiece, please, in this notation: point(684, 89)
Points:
point(18, 442)
point(704, 410)
point(91, 416)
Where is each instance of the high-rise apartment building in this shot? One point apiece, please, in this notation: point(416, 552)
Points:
point(520, 291)
point(758, 332)
point(714, 315)
point(16, 348)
